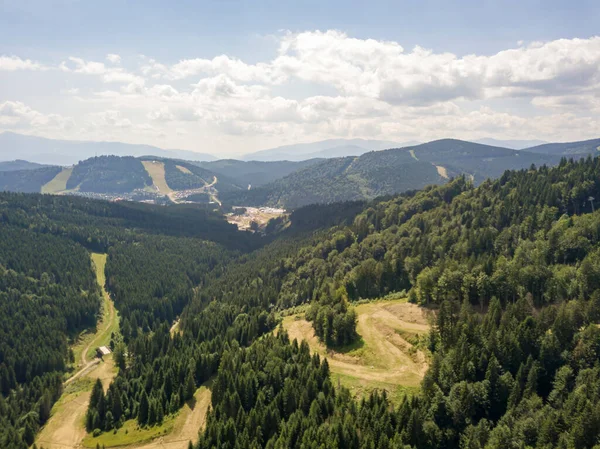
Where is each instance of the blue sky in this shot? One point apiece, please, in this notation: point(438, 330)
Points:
point(461, 82)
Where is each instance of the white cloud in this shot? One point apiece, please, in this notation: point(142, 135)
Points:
point(374, 89)
point(113, 58)
point(14, 63)
point(17, 115)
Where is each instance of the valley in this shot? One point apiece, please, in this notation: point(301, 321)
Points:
point(66, 427)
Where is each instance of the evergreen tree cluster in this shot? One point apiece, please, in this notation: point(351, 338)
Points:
point(48, 293)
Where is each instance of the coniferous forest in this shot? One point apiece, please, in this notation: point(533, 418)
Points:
point(511, 269)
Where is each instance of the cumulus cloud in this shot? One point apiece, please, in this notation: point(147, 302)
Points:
point(14, 63)
point(113, 58)
point(374, 88)
point(18, 115)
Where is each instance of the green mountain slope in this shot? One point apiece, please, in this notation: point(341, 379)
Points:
point(109, 174)
point(388, 172)
point(569, 148)
point(30, 181)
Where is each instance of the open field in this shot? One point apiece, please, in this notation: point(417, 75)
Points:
point(59, 183)
point(175, 432)
point(183, 169)
point(156, 170)
point(85, 348)
point(387, 356)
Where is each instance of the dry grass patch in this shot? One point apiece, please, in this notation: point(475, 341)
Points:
point(59, 183)
point(183, 169)
point(156, 171)
point(386, 357)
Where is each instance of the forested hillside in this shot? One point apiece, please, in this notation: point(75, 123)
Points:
point(29, 181)
point(523, 248)
point(48, 290)
point(47, 294)
point(109, 174)
point(510, 267)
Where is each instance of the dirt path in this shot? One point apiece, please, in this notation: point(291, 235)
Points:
point(385, 359)
point(66, 428)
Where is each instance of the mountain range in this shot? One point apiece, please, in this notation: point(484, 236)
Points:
point(323, 149)
point(68, 152)
point(286, 184)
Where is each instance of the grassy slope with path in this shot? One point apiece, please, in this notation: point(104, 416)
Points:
point(59, 183)
point(85, 348)
point(385, 357)
point(66, 427)
point(156, 171)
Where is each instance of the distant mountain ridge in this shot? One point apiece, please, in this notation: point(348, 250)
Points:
point(69, 152)
point(569, 148)
point(322, 149)
point(287, 184)
point(19, 164)
point(512, 144)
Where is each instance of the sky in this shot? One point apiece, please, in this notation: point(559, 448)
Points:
point(230, 77)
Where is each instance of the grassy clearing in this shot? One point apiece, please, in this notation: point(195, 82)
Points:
point(388, 354)
point(108, 324)
point(184, 169)
point(156, 170)
point(66, 426)
point(175, 432)
point(59, 183)
point(131, 433)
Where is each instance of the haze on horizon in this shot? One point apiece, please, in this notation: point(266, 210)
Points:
point(229, 78)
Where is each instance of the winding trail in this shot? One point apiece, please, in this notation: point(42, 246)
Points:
point(66, 428)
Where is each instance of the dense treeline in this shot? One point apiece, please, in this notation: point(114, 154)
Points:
point(153, 279)
point(98, 224)
point(254, 173)
point(47, 294)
